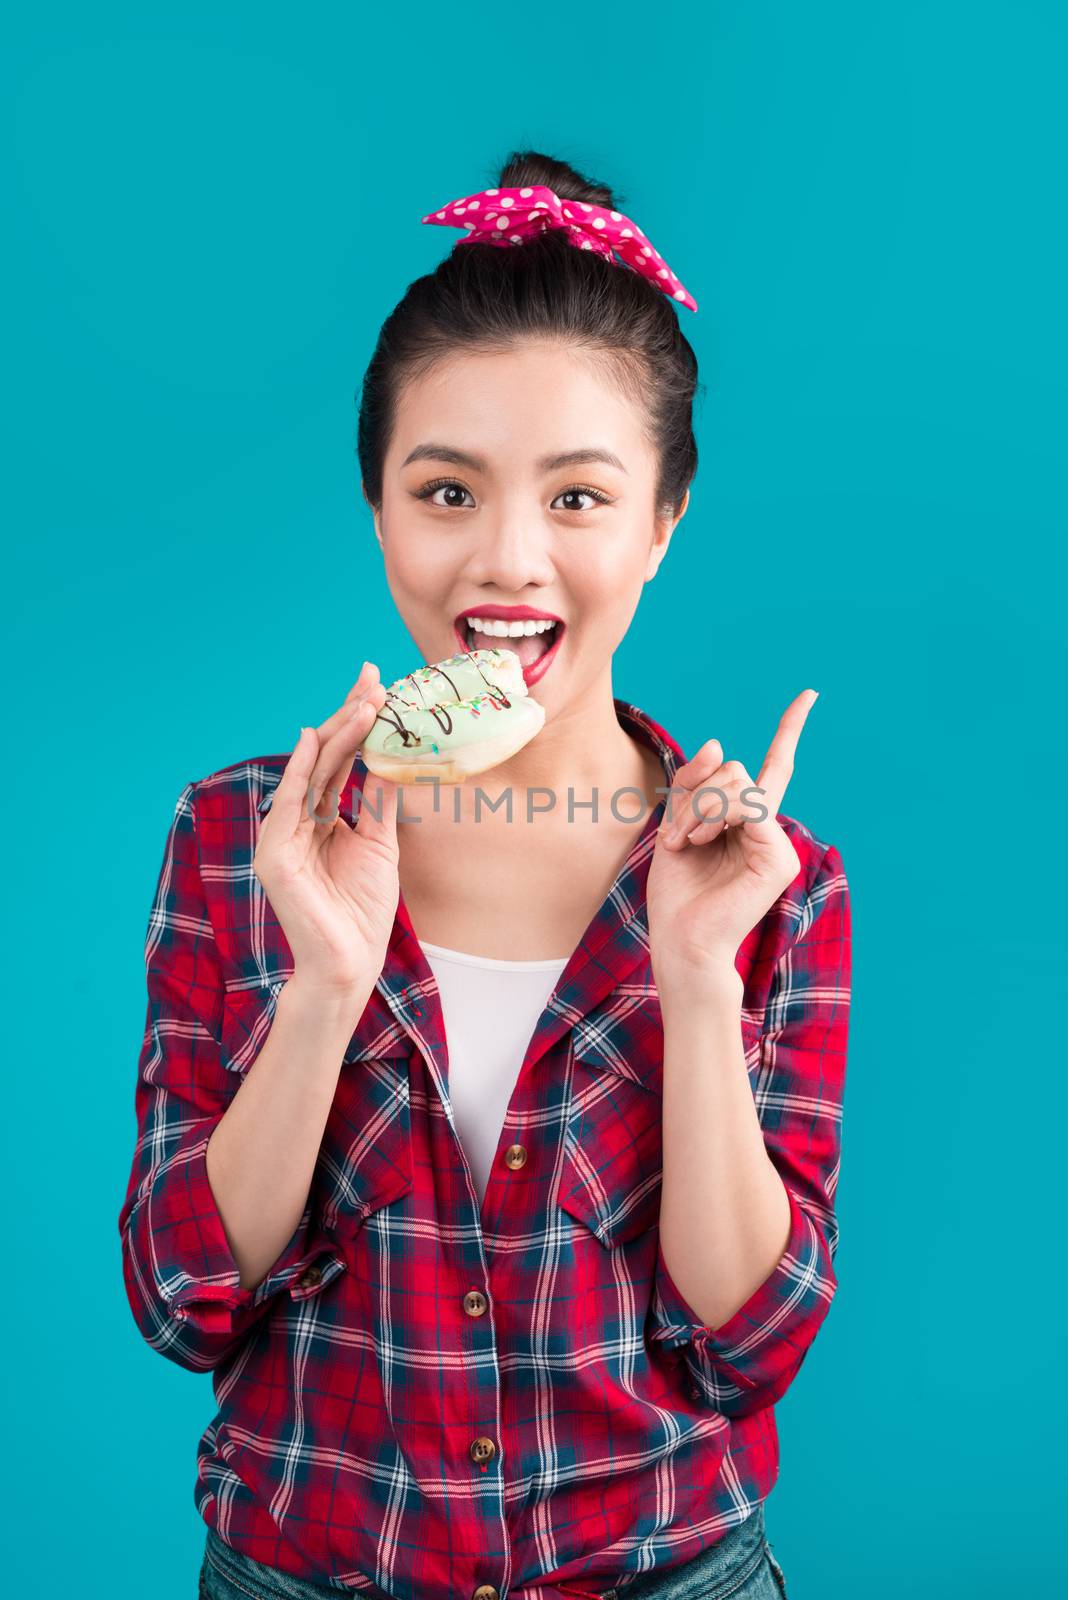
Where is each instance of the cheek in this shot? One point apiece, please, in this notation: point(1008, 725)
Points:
point(417, 567)
point(607, 585)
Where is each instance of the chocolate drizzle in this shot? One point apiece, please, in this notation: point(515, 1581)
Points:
point(392, 712)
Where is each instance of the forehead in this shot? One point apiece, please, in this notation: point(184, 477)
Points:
point(524, 401)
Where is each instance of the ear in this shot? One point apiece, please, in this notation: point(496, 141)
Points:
point(663, 528)
point(375, 515)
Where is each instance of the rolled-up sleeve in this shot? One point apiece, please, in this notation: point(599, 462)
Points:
point(750, 1361)
point(181, 1278)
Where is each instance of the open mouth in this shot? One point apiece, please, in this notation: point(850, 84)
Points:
point(535, 646)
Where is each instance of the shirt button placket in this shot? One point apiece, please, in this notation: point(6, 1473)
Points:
point(484, 1450)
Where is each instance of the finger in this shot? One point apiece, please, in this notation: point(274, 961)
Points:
point(376, 698)
point(710, 801)
point(366, 685)
point(351, 734)
point(778, 767)
point(700, 767)
point(287, 805)
point(334, 761)
point(701, 763)
point(711, 795)
point(728, 801)
point(332, 768)
point(745, 809)
point(369, 675)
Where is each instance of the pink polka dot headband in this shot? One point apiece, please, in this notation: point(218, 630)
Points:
point(508, 216)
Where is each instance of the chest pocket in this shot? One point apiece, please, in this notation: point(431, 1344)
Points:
point(612, 1168)
point(365, 1156)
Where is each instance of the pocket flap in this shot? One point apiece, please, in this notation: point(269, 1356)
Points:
point(614, 1149)
point(624, 1035)
point(613, 1156)
point(365, 1159)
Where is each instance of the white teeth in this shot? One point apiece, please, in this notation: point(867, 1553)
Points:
point(500, 629)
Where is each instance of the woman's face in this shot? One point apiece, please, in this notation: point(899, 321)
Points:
point(480, 512)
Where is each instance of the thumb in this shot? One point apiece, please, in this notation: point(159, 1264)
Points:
point(377, 803)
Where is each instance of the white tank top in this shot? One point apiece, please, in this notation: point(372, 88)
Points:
point(491, 1009)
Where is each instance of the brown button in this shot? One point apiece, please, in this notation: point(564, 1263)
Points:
point(482, 1450)
point(475, 1302)
point(486, 1591)
point(515, 1156)
point(310, 1277)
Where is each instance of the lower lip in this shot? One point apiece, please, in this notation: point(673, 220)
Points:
point(537, 669)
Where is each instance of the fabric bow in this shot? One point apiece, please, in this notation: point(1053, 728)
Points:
point(508, 216)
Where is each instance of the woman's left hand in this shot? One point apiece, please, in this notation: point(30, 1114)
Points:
point(710, 882)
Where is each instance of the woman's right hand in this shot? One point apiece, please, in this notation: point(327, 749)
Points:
point(334, 889)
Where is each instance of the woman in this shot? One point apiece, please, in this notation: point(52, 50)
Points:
point(432, 1094)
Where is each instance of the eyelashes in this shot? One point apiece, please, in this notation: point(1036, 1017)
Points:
point(452, 483)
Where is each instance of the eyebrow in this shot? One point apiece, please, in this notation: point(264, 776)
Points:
point(461, 458)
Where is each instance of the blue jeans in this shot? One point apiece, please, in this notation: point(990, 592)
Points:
point(740, 1567)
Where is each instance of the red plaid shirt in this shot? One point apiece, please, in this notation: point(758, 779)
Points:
point(424, 1396)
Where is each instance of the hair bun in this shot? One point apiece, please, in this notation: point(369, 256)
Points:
point(532, 167)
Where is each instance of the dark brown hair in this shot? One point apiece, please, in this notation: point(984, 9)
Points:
point(483, 297)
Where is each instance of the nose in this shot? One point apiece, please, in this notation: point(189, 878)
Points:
point(512, 552)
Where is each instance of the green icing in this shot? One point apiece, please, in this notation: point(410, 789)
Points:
point(459, 684)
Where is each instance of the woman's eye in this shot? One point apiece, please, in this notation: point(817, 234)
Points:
point(449, 486)
point(577, 492)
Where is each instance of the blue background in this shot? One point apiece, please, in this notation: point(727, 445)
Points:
point(212, 211)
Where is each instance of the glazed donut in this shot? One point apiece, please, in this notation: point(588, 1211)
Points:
point(461, 716)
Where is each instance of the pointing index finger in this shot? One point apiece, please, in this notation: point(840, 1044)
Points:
point(778, 767)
